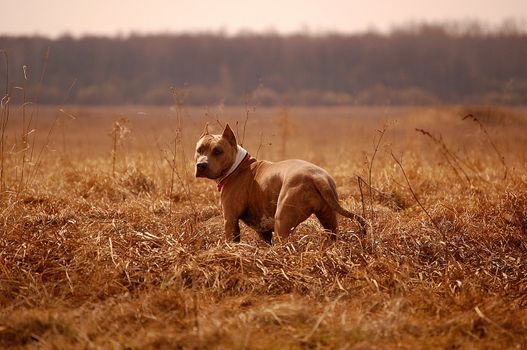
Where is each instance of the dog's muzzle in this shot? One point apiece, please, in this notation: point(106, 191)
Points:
point(201, 169)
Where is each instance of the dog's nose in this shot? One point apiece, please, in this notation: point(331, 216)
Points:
point(201, 166)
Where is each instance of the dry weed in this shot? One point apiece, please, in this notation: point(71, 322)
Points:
point(91, 260)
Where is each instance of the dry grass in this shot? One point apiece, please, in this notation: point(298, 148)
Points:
point(138, 260)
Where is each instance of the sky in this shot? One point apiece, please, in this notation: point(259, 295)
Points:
point(116, 17)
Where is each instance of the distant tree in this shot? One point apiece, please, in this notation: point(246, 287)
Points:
point(415, 64)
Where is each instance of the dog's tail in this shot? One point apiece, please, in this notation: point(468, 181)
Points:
point(328, 190)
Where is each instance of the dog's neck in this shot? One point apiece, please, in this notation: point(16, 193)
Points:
point(241, 154)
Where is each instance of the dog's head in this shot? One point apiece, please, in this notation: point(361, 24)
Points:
point(215, 154)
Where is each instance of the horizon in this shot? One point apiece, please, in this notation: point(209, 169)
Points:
point(453, 28)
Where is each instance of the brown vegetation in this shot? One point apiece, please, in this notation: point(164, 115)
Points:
point(109, 242)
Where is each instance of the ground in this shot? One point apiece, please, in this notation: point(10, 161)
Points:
point(108, 241)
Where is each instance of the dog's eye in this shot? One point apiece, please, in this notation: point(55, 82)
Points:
point(217, 151)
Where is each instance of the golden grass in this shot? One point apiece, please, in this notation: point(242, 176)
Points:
point(138, 260)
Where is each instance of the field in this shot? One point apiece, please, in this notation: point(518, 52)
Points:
point(108, 241)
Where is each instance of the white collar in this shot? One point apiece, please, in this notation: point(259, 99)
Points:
point(241, 153)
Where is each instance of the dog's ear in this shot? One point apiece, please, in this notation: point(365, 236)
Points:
point(205, 130)
point(229, 135)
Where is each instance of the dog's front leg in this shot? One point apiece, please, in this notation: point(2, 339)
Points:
point(232, 230)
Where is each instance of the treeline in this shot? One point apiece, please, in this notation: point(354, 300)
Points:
point(423, 65)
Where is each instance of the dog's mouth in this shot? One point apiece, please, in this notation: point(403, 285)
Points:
point(206, 173)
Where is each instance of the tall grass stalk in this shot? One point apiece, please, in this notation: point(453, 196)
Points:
point(376, 144)
point(63, 120)
point(24, 133)
point(120, 131)
point(489, 140)
point(414, 195)
point(5, 102)
point(173, 172)
point(35, 111)
point(247, 111)
point(451, 158)
point(283, 123)
point(179, 97)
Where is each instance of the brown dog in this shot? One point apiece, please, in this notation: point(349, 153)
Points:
point(267, 196)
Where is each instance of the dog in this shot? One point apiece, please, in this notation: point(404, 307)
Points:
point(268, 197)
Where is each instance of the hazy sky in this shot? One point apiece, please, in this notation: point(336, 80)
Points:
point(110, 17)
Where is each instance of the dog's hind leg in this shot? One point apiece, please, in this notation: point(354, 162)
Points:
point(288, 213)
